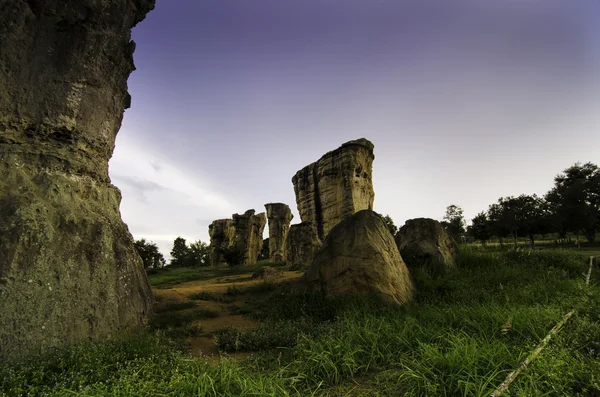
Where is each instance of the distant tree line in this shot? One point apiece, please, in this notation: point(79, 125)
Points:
point(572, 205)
point(182, 255)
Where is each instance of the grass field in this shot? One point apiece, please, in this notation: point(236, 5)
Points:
point(461, 337)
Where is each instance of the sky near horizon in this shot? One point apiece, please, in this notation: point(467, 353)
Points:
point(465, 102)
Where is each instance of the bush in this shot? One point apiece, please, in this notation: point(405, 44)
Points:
point(232, 255)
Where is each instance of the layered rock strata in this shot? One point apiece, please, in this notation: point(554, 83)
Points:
point(68, 269)
point(359, 256)
point(222, 235)
point(279, 216)
point(425, 241)
point(249, 234)
point(336, 186)
point(301, 246)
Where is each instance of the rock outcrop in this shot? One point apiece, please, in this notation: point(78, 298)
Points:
point(301, 246)
point(68, 269)
point(267, 273)
point(222, 235)
point(425, 240)
point(336, 186)
point(359, 255)
point(279, 216)
point(249, 234)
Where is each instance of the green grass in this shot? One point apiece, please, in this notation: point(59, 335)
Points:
point(461, 337)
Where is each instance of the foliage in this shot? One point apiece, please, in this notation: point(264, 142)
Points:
point(151, 256)
point(232, 255)
point(454, 221)
point(575, 200)
point(390, 224)
point(197, 254)
point(480, 228)
point(465, 333)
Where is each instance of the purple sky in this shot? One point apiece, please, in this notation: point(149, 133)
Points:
point(465, 101)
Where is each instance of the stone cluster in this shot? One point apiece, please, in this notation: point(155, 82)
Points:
point(242, 231)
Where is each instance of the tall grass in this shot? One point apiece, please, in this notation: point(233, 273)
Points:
point(465, 332)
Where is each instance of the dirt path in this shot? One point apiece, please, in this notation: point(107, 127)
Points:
point(204, 345)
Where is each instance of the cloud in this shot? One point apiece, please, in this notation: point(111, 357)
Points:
point(160, 200)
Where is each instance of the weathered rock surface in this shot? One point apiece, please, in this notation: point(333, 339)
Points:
point(68, 269)
point(359, 255)
point(267, 273)
point(279, 216)
point(426, 240)
point(336, 186)
point(222, 235)
point(249, 234)
point(302, 245)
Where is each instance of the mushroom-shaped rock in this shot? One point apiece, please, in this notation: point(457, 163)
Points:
point(359, 255)
point(425, 240)
point(302, 245)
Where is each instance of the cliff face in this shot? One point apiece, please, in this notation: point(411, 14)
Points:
point(279, 216)
point(68, 268)
point(336, 186)
point(222, 235)
point(249, 234)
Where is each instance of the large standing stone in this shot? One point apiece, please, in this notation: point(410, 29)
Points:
point(279, 216)
point(68, 269)
point(302, 245)
point(336, 186)
point(222, 235)
point(359, 255)
point(426, 240)
point(249, 234)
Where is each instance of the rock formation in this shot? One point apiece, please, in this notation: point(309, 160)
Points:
point(267, 273)
point(336, 186)
point(279, 216)
point(249, 234)
point(426, 240)
point(301, 246)
point(222, 235)
point(359, 255)
point(68, 269)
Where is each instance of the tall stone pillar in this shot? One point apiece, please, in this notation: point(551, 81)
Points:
point(279, 216)
point(249, 234)
point(222, 235)
point(336, 186)
point(68, 269)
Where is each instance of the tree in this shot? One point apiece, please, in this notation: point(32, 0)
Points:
point(390, 224)
point(198, 254)
point(480, 228)
point(496, 222)
point(232, 255)
point(151, 257)
point(454, 221)
point(575, 200)
point(180, 253)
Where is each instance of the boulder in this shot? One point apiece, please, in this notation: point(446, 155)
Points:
point(336, 186)
point(425, 240)
point(267, 273)
point(360, 256)
point(69, 271)
point(279, 216)
point(302, 245)
point(249, 234)
point(222, 235)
